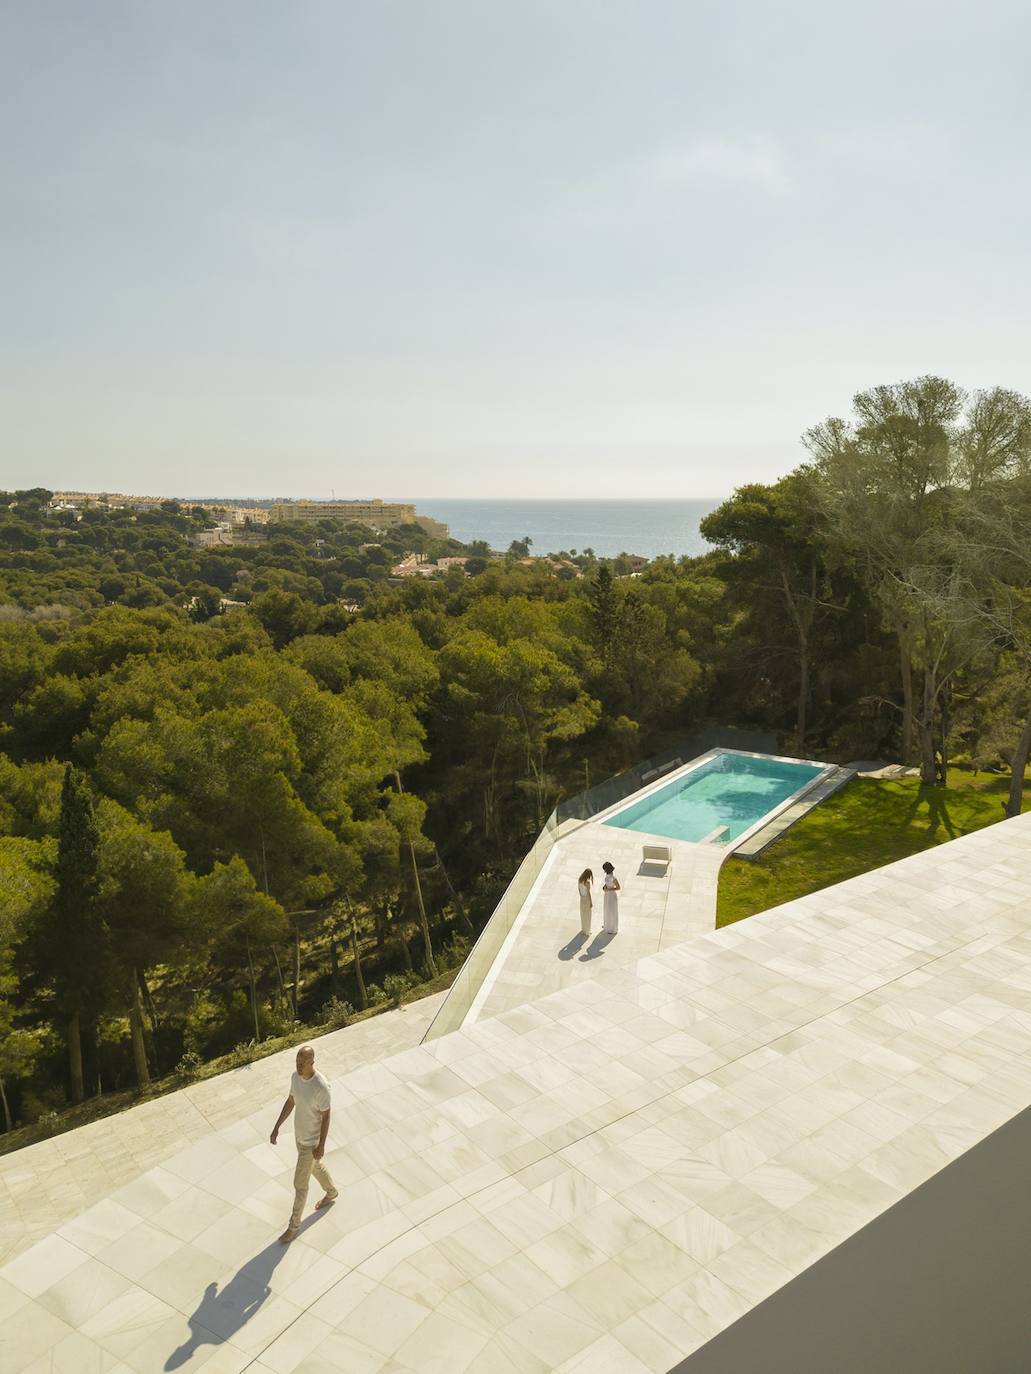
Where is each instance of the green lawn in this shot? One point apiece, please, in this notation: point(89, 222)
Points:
point(869, 823)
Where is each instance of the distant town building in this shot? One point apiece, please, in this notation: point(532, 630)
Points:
point(375, 513)
point(413, 565)
point(225, 533)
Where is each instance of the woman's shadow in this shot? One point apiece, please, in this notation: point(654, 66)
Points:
point(219, 1315)
point(573, 947)
point(597, 946)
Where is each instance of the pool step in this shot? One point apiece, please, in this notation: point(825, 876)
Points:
point(716, 836)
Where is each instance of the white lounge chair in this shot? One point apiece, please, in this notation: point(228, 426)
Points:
point(658, 854)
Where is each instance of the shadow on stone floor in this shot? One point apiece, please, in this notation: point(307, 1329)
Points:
point(570, 950)
point(597, 946)
point(221, 1314)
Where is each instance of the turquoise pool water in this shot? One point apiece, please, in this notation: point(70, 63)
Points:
point(729, 790)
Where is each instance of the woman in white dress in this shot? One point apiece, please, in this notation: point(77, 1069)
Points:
point(583, 886)
point(610, 908)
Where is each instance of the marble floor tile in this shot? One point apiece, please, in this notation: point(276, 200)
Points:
point(384, 1320)
point(29, 1334)
point(83, 1292)
point(441, 1345)
point(44, 1264)
point(607, 1355)
point(552, 1334)
point(654, 1350)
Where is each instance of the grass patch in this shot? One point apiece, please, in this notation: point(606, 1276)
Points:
point(869, 823)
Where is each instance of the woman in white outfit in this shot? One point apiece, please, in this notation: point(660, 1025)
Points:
point(610, 909)
point(583, 886)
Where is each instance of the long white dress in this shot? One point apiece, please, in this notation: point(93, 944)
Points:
point(610, 907)
point(585, 907)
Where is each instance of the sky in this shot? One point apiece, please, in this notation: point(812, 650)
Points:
point(469, 248)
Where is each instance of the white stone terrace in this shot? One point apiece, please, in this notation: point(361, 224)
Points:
point(599, 1181)
point(45, 1185)
point(544, 952)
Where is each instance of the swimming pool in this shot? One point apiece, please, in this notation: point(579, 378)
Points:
point(718, 800)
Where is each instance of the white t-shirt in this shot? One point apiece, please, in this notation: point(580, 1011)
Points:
point(311, 1099)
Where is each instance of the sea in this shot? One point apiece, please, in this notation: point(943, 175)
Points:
point(648, 528)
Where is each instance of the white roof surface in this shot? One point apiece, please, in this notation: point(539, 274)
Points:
point(598, 1181)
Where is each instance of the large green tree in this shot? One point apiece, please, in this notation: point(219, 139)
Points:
point(143, 901)
point(73, 946)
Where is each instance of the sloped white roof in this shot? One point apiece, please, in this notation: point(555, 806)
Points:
point(600, 1180)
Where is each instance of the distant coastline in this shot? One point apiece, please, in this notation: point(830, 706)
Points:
point(646, 527)
point(650, 528)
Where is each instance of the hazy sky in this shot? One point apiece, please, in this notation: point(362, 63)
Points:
point(464, 247)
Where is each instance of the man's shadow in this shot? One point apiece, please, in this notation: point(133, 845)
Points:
point(597, 946)
point(219, 1316)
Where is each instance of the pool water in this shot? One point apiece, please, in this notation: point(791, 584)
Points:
point(731, 790)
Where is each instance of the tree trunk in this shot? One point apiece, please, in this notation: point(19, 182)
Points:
point(297, 967)
point(928, 762)
point(803, 695)
point(334, 965)
point(279, 974)
point(363, 997)
point(906, 666)
point(801, 623)
point(945, 721)
point(431, 967)
point(1019, 763)
point(254, 993)
point(925, 736)
point(8, 1123)
point(148, 1000)
point(139, 1048)
point(152, 1016)
point(402, 933)
point(463, 919)
point(74, 1034)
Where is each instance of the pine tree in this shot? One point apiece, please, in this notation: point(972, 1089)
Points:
point(605, 603)
point(76, 945)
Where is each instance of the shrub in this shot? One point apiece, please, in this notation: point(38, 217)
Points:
point(188, 1064)
point(395, 986)
point(455, 951)
point(336, 1012)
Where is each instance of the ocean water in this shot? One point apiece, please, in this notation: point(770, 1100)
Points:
point(648, 528)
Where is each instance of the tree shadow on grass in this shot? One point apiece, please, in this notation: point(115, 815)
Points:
point(937, 811)
point(870, 823)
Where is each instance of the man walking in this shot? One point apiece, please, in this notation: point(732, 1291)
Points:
point(309, 1102)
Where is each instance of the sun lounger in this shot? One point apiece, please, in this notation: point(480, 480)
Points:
point(658, 854)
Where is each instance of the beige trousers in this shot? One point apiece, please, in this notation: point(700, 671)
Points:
point(306, 1166)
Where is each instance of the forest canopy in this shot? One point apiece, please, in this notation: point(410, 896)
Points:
point(244, 786)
